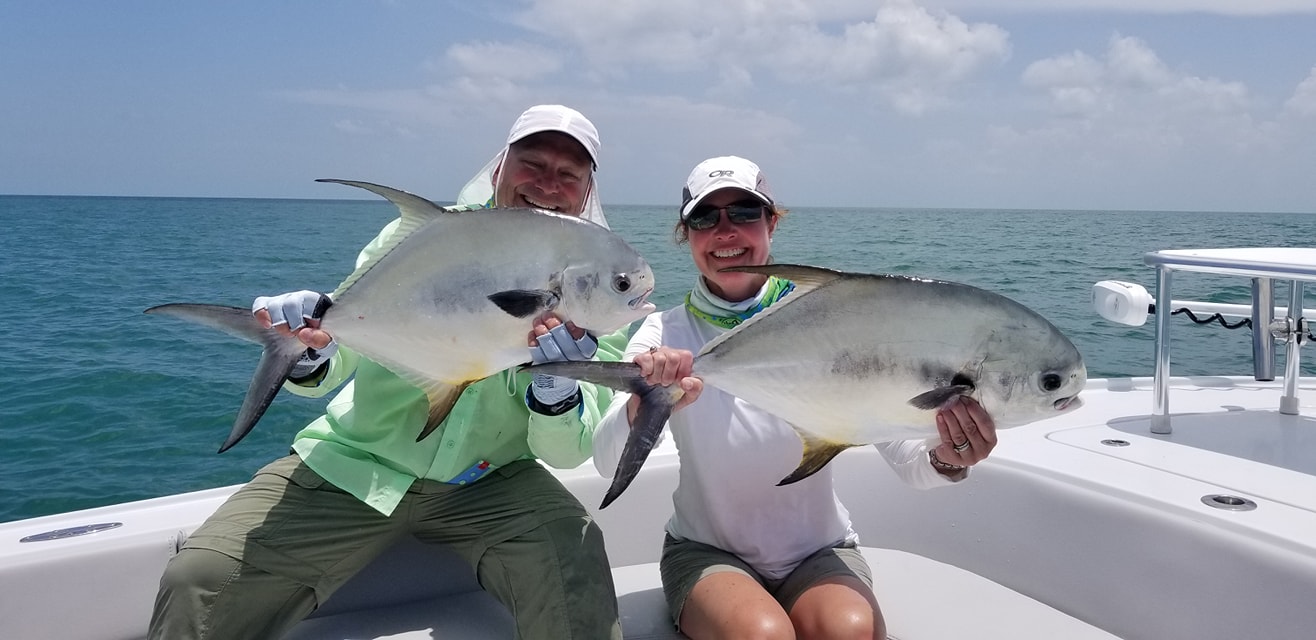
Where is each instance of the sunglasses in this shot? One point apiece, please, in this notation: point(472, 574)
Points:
point(706, 216)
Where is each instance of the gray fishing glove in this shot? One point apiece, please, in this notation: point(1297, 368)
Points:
point(294, 309)
point(557, 346)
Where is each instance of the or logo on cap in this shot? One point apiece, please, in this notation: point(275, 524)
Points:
point(721, 173)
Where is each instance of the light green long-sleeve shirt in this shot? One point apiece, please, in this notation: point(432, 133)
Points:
point(365, 443)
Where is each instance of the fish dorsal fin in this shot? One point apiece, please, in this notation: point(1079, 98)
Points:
point(416, 211)
point(805, 278)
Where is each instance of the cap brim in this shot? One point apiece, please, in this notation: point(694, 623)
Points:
point(584, 144)
point(713, 188)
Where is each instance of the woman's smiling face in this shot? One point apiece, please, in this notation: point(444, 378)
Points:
point(727, 244)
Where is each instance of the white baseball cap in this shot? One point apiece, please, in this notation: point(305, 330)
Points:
point(555, 117)
point(719, 173)
point(479, 190)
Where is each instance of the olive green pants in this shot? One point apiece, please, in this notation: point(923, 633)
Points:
point(286, 540)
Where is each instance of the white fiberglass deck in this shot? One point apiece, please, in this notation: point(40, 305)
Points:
point(1058, 530)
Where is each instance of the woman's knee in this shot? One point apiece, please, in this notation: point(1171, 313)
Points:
point(740, 622)
point(733, 605)
point(763, 625)
point(848, 621)
point(838, 609)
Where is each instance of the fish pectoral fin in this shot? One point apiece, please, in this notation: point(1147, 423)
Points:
point(934, 399)
point(441, 397)
point(817, 453)
point(524, 303)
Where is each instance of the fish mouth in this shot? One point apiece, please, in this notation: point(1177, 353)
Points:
point(638, 302)
point(1072, 402)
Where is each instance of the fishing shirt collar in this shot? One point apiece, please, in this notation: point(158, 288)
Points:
point(710, 308)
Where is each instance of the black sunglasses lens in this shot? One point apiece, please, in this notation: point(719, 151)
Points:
point(704, 217)
point(742, 213)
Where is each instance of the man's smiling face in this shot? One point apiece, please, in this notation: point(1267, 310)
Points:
point(548, 170)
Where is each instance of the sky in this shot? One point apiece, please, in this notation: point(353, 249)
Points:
point(1030, 104)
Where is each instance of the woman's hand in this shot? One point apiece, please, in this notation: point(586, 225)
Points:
point(665, 366)
point(968, 434)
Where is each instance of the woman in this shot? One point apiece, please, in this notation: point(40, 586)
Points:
point(745, 558)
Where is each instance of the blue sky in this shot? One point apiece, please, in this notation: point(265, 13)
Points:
point(1066, 104)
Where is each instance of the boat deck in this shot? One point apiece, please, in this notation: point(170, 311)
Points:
point(1095, 515)
point(1082, 526)
point(1227, 438)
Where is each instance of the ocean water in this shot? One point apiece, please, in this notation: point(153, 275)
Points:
point(102, 404)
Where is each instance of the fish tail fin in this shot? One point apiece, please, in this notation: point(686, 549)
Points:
point(817, 453)
point(655, 408)
point(276, 362)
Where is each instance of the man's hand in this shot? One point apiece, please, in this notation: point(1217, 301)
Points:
point(298, 314)
point(551, 340)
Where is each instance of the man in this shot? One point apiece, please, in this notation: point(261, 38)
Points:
point(308, 522)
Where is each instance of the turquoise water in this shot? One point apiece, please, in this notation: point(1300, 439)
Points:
point(104, 404)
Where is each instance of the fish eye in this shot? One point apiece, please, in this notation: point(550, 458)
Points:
point(621, 283)
point(1051, 382)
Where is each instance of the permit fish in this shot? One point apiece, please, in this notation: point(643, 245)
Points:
point(851, 359)
point(450, 299)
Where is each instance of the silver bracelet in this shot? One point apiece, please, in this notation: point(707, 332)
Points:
point(944, 466)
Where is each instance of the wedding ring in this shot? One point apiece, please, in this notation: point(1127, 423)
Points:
point(962, 447)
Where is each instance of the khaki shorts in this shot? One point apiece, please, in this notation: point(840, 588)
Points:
point(686, 562)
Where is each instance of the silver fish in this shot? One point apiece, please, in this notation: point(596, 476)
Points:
point(450, 299)
point(851, 359)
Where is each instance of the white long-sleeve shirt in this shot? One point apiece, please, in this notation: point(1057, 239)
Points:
point(732, 456)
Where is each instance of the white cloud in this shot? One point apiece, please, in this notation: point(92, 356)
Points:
point(1129, 79)
point(501, 60)
point(1222, 7)
point(1126, 125)
point(1303, 101)
point(909, 56)
point(792, 84)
